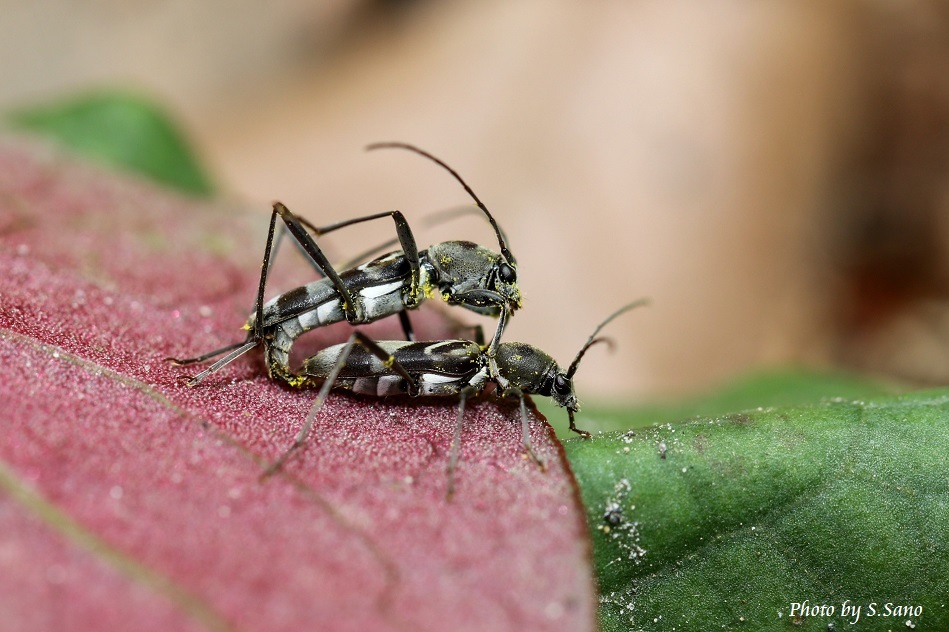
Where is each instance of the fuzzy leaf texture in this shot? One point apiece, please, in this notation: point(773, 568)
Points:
point(130, 501)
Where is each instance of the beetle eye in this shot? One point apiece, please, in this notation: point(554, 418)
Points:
point(562, 385)
point(506, 273)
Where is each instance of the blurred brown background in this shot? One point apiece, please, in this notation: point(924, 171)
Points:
point(772, 175)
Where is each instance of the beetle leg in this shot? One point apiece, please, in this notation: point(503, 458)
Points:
point(370, 345)
point(526, 428)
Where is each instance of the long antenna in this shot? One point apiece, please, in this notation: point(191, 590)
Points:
point(497, 229)
point(593, 339)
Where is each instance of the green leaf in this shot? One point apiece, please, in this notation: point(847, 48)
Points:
point(724, 522)
point(120, 130)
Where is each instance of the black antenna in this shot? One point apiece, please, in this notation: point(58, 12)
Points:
point(593, 339)
point(497, 229)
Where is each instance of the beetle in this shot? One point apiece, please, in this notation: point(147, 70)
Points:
point(443, 368)
point(461, 272)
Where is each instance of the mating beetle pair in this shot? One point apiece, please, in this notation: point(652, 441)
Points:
point(463, 273)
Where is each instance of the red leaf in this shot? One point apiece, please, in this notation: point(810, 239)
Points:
point(130, 501)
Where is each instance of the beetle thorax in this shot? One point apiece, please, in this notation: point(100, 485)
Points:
point(469, 275)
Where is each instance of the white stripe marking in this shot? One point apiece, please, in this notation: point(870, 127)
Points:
point(430, 349)
point(434, 378)
point(379, 290)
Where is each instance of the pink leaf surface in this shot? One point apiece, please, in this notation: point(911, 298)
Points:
point(130, 501)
